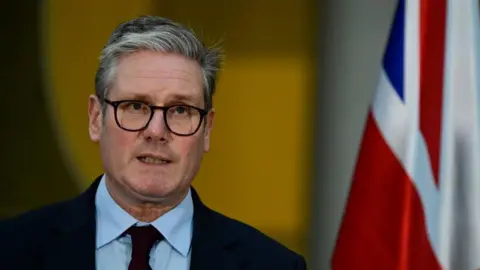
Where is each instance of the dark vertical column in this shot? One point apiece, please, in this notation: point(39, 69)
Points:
point(32, 172)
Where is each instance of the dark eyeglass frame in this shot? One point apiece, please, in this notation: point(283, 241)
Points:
point(153, 108)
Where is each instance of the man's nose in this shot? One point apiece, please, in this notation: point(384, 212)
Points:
point(157, 128)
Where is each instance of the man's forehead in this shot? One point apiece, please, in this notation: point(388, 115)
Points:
point(164, 72)
point(156, 62)
point(163, 69)
point(151, 76)
point(157, 93)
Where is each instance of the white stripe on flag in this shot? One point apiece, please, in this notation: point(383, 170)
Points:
point(460, 158)
point(395, 123)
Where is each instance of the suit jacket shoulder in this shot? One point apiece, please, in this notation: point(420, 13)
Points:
point(250, 247)
point(35, 239)
point(23, 235)
point(261, 247)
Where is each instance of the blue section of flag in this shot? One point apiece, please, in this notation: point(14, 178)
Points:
point(393, 60)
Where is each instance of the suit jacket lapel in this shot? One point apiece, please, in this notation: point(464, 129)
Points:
point(211, 240)
point(71, 243)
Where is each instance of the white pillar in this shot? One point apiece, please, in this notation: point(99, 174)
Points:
point(351, 43)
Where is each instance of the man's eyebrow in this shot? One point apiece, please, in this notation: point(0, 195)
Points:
point(140, 97)
point(135, 96)
point(185, 98)
point(181, 97)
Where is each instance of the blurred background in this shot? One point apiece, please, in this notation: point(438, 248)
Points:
point(291, 103)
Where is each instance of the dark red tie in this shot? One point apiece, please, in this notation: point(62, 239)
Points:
point(143, 239)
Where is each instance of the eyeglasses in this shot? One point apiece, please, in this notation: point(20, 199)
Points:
point(135, 115)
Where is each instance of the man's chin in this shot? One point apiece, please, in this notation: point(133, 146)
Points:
point(155, 193)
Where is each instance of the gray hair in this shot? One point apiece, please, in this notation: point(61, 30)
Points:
point(161, 35)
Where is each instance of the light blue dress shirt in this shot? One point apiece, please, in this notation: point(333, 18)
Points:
point(113, 251)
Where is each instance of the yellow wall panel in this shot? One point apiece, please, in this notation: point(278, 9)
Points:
point(256, 169)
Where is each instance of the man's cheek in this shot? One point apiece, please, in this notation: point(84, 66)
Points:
point(123, 140)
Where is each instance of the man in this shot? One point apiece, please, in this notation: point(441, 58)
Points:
point(152, 116)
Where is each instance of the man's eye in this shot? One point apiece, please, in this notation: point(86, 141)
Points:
point(180, 109)
point(136, 105)
point(133, 106)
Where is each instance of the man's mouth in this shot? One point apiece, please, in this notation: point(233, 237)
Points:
point(153, 160)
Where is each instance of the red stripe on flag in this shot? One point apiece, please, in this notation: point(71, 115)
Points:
point(384, 223)
point(432, 54)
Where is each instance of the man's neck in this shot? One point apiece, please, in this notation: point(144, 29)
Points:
point(143, 210)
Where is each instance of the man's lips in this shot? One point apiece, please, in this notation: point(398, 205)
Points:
point(153, 159)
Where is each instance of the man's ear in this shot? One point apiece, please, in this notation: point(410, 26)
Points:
point(208, 129)
point(94, 118)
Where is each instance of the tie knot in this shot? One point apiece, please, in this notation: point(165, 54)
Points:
point(144, 237)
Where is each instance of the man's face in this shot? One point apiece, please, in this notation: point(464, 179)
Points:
point(162, 80)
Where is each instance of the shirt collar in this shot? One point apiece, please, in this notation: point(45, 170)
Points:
point(112, 221)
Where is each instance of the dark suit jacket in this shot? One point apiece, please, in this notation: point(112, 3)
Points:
point(62, 236)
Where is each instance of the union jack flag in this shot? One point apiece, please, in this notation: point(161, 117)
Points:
point(414, 202)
